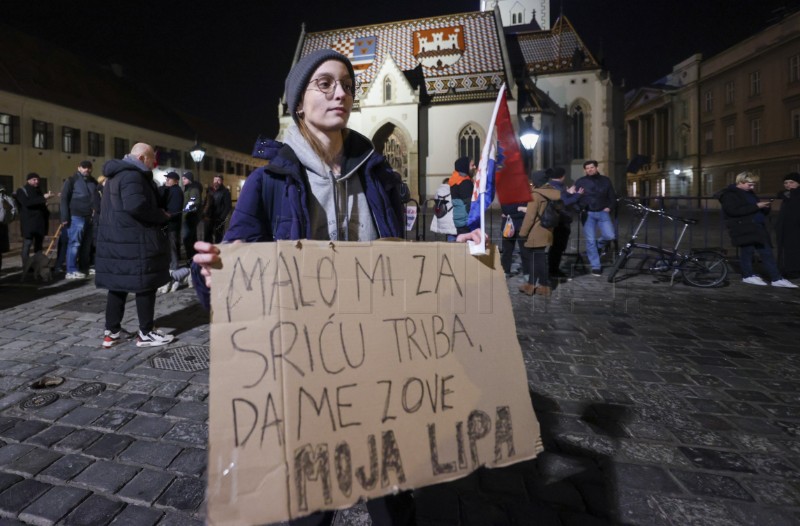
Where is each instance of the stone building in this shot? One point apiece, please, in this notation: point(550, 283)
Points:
point(692, 131)
point(427, 87)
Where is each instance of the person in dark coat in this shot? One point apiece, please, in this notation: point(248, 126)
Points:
point(5, 244)
point(339, 189)
point(34, 216)
point(787, 227)
point(132, 252)
point(745, 217)
point(216, 210)
point(570, 196)
point(173, 204)
point(192, 204)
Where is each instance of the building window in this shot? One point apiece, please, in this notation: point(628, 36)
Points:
point(387, 89)
point(794, 68)
point(9, 129)
point(755, 132)
point(709, 140)
point(755, 83)
point(70, 140)
point(469, 143)
point(730, 92)
point(708, 184)
point(219, 165)
point(730, 136)
point(42, 135)
point(239, 169)
point(662, 187)
point(709, 101)
point(684, 144)
point(187, 160)
point(97, 144)
point(175, 158)
point(633, 189)
point(578, 134)
point(207, 163)
point(796, 124)
point(120, 147)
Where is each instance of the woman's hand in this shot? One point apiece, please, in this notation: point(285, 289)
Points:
point(474, 236)
point(207, 257)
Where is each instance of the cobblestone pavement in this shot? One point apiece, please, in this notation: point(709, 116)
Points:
point(659, 405)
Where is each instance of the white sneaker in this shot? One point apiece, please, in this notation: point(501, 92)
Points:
point(75, 275)
point(163, 289)
point(754, 280)
point(785, 283)
point(154, 338)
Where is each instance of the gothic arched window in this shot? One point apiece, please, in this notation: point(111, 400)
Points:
point(387, 89)
point(469, 143)
point(578, 134)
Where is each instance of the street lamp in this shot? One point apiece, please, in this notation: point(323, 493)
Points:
point(529, 136)
point(197, 152)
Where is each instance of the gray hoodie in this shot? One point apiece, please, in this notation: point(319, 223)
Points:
point(338, 205)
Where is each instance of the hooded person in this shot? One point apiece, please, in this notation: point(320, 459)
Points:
point(461, 187)
point(787, 227)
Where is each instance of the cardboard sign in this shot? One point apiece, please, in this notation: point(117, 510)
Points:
point(353, 370)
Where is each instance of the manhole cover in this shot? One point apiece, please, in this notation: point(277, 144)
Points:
point(47, 381)
point(39, 400)
point(87, 390)
point(187, 359)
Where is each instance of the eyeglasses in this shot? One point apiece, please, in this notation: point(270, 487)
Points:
point(327, 85)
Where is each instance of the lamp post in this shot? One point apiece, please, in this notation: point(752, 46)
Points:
point(197, 152)
point(529, 137)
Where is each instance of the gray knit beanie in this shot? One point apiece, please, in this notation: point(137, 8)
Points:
point(297, 80)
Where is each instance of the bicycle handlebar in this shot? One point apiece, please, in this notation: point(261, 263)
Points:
point(640, 206)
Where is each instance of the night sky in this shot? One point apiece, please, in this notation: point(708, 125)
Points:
point(226, 61)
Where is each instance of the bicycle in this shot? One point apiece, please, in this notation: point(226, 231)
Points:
point(704, 268)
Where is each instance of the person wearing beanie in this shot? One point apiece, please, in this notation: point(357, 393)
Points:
point(78, 204)
point(461, 187)
point(787, 227)
point(324, 182)
point(192, 203)
point(34, 215)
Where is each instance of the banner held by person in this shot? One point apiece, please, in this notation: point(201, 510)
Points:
point(347, 371)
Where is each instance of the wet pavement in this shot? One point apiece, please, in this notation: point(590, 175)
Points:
point(659, 405)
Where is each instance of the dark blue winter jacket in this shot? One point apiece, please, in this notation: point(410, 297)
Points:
point(273, 204)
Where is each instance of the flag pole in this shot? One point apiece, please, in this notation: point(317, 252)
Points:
point(479, 249)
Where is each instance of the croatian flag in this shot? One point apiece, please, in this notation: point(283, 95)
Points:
point(501, 168)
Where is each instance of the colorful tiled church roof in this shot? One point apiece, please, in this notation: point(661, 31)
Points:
point(460, 55)
point(559, 49)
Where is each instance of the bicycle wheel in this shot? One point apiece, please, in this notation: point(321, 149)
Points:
point(619, 264)
point(705, 269)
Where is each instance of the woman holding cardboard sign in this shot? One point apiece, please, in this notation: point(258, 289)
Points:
point(324, 182)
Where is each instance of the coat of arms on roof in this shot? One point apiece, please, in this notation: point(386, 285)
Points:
point(439, 48)
point(360, 51)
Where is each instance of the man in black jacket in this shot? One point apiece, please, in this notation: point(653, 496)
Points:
point(34, 216)
point(597, 201)
point(132, 252)
point(77, 209)
point(216, 210)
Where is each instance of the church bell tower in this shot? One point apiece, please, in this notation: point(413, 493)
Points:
point(520, 12)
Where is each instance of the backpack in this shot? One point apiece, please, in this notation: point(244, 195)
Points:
point(550, 217)
point(441, 206)
point(8, 210)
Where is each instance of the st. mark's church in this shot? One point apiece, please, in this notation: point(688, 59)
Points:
point(427, 88)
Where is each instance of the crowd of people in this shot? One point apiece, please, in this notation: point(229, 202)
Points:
point(122, 227)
